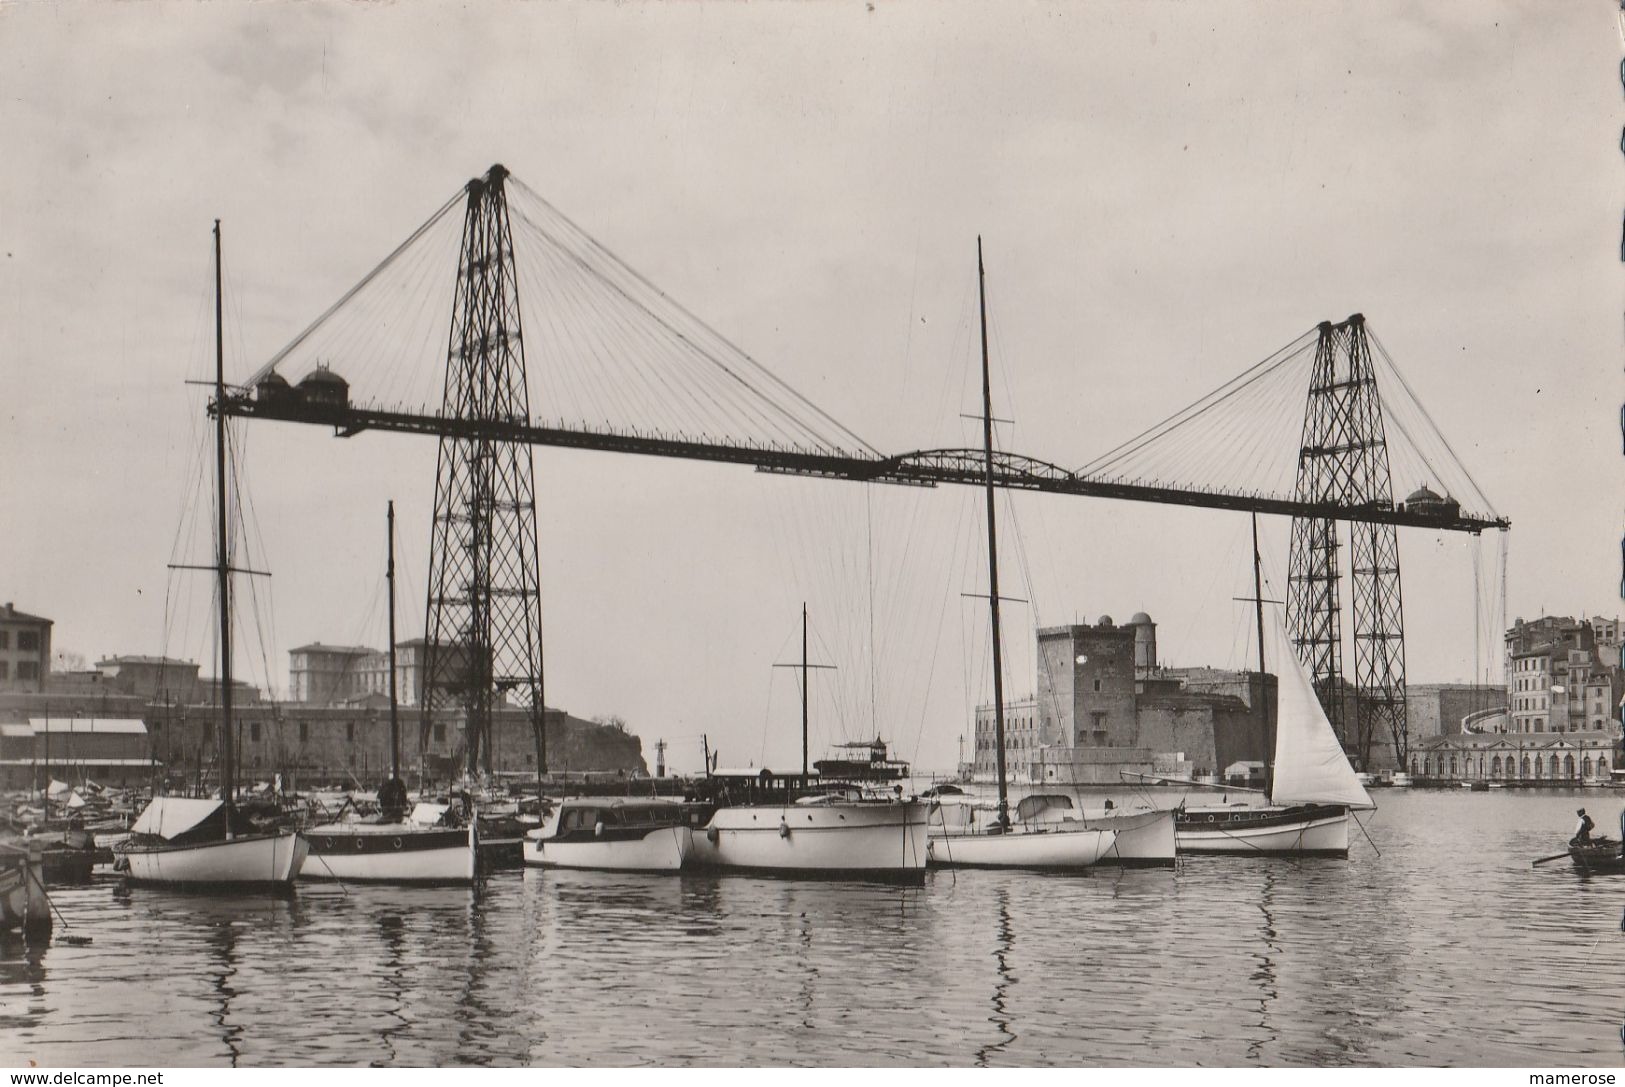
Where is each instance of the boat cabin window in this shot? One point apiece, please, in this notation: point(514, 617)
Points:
point(579, 818)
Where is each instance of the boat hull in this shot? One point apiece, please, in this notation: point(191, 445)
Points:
point(1143, 838)
point(23, 904)
point(861, 839)
point(1050, 847)
point(256, 860)
point(660, 849)
point(1598, 857)
point(370, 853)
point(1298, 831)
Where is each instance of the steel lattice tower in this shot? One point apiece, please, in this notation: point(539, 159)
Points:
point(1344, 461)
point(484, 596)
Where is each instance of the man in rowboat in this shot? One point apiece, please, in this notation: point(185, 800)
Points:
point(1582, 832)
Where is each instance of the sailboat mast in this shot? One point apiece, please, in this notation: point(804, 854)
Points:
point(1263, 701)
point(803, 694)
point(223, 570)
point(394, 715)
point(992, 547)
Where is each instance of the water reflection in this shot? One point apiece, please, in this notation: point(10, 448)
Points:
point(222, 944)
point(1264, 975)
point(1239, 961)
point(1003, 944)
point(392, 929)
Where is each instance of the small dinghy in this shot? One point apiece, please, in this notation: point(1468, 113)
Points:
point(1598, 855)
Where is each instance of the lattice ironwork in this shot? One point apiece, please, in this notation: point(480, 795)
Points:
point(1343, 462)
point(483, 621)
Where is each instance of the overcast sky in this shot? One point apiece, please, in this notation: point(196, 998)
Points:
point(1168, 193)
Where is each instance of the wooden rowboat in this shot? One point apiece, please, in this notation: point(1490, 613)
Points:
point(1598, 855)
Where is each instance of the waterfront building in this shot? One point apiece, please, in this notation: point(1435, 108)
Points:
point(324, 674)
point(25, 650)
point(1105, 705)
point(1563, 675)
point(1440, 709)
point(1513, 758)
point(108, 751)
point(158, 679)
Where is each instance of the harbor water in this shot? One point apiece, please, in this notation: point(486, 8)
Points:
point(1447, 948)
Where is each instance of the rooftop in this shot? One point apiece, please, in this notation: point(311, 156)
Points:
point(339, 650)
point(10, 614)
point(139, 659)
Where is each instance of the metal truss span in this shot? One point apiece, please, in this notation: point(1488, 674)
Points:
point(1343, 462)
point(483, 621)
point(921, 468)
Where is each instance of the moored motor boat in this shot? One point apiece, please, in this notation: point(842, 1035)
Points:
point(392, 852)
point(822, 836)
point(617, 834)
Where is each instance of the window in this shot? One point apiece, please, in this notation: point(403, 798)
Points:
point(5, 639)
point(254, 731)
point(27, 669)
point(28, 639)
point(5, 670)
point(304, 731)
point(349, 731)
point(440, 733)
point(1097, 684)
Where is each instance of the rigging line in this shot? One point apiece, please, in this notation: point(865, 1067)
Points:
point(567, 320)
point(688, 339)
point(353, 291)
point(600, 385)
point(406, 310)
point(1185, 415)
point(638, 277)
point(869, 528)
point(583, 388)
point(580, 291)
point(1394, 369)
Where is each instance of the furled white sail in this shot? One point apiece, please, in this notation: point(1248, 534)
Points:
point(1310, 766)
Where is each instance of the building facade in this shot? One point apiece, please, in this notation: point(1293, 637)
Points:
point(322, 675)
point(108, 751)
point(25, 650)
point(1105, 707)
point(158, 679)
point(1563, 675)
point(1512, 758)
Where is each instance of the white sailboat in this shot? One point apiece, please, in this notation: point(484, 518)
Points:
point(1311, 789)
point(999, 842)
point(843, 832)
point(393, 848)
point(193, 842)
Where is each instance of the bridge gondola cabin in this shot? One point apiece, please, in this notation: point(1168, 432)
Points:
point(322, 388)
point(273, 388)
point(1423, 500)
